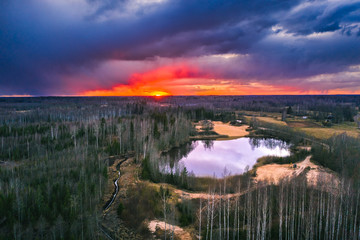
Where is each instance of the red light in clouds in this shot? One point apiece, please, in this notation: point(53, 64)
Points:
point(185, 80)
point(158, 82)
point(163, 74)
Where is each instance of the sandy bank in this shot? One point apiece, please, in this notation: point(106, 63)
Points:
point(229, 130)
point(315, 174)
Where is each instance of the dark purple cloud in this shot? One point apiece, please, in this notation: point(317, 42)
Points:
point(47, 45)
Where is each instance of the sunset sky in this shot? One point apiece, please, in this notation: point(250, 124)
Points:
point(173, 47)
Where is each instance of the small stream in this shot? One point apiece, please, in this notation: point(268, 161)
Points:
point(114, 194)
point(108, 204)
point(112, 160)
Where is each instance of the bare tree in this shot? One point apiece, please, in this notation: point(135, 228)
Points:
point(212, 214)
point(165, 195)
point(208, 215)
point(200, 210)
point(281, 207)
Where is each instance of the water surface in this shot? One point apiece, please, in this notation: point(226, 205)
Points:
point(206, 158)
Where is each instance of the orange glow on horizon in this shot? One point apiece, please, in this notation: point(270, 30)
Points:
point(159, 94)
point(16, 95)
point(185, 80)
point(152, 83)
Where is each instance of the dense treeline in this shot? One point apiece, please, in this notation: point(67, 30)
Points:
point(291, 210)
point(341, 154)
point(342, 108)
point(53, 196)
point(55, 161)
point(167, 168)
point(54, 154)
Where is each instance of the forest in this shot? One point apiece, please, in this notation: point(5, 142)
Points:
point(56, 156)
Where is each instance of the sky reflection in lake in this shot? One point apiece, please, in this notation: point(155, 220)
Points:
point(208, 158)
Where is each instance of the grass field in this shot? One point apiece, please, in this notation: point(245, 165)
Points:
point(260, 114)
point(267, 119)
point(272, 120)
point(303, 124)
point(308, 126)
point(316, 130)
point(325, 133)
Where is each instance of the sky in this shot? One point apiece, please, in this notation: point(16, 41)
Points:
point(179, 47)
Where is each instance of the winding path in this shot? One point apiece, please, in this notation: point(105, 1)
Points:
point(116, 184)
point(115, 193)
point(105, 231)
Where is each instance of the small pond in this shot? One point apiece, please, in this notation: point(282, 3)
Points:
point(211, 157)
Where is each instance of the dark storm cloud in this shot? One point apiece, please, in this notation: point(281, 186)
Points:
point(322, 16)
point(40, 42)
point(104, 6)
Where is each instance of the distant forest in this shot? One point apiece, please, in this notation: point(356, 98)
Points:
point(54, 155)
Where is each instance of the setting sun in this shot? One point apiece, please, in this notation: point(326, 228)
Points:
point(159, 94)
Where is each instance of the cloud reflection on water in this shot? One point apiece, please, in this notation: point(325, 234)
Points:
point(235, 155)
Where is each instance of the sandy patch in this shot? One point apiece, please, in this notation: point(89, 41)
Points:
point(317, 174)
point(273, 172)
point(204, 195)
point(232, 131)
point(178, 231)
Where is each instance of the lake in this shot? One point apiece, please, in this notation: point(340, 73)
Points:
point(211, 157)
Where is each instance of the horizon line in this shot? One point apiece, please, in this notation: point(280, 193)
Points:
point(166, 96)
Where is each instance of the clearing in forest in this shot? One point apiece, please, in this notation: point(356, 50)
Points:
point(315, 174)
point(325, 133)
point(302, 124)
point(229, 130)
point(272, 120)
point(178, 231)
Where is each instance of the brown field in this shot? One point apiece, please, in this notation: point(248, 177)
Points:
point(261, 114)
point(272, 120)
point(302, 124)
point(229, 130)
point(313, 128)
point(316, 130)
point(325, 133)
